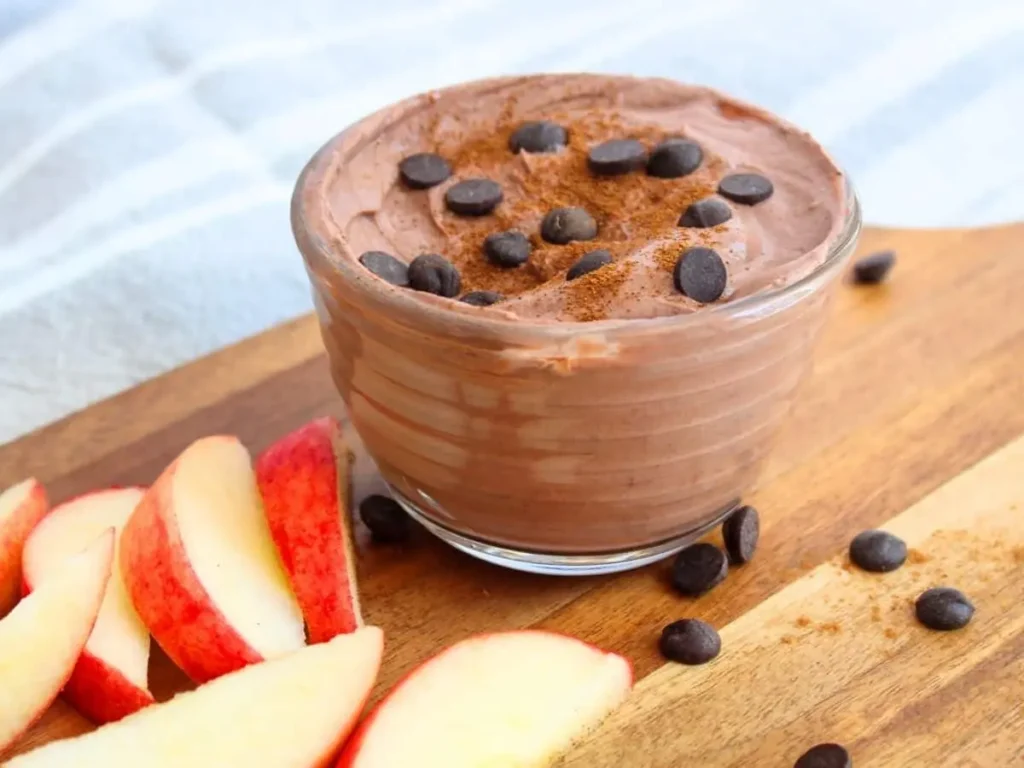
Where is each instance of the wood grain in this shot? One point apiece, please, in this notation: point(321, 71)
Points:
point(838, 655)
point(914, 382)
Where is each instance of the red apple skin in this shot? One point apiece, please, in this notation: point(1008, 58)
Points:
point(139, 733)
point(350, 752)
point(168, 595)
point(306, 500)
point(95, 689)
point(30, 511)
point(106, 544)
point(88, 688)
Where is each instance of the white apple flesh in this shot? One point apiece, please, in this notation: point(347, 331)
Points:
point(201, 568)
point(42, 638)
point(292, 712)
point(513, 698)
point(110, 678)
point(21, 508)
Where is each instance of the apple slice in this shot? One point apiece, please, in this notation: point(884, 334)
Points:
point(512, 698)
point(21, 508)
point(110, 678)
point(201, 568)
point(292, 712)
point(41, 639)
point(304, 481)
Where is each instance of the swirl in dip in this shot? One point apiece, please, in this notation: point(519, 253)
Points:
point(568, 401)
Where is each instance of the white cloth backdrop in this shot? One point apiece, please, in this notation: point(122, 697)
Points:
point(147, 148)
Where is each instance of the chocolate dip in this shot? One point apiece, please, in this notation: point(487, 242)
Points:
point(764, 246)
point(604, 413)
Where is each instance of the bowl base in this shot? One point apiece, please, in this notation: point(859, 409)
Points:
point(558, 564)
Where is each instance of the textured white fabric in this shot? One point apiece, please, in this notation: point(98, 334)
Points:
point(148, 147)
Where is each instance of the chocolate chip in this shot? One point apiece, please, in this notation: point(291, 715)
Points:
point(689, 641)
point(588, 263)
point(482, 298)
point(387, 521)
point(878, 551)
point(433, 273)
point(873, 268)
point(507, 249)
point(674, 158)
point(616, 157)
point(944, 609)
point(538, 136)
point(563, 225)
point(740, 532)
point(473, 197)
point(424, 170)
point(698, 568)
point(700, 274)
point(825, 756)
point(746, 188)
point(386, 267)
point(709, 212)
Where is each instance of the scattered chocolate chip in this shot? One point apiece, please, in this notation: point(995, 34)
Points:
point(507, 249)
point(825, 756)
point(740, 532)
point(690, 641)
point(709, 212)
point(538, 136)
point(878, 551)
point(698, 568)
point(563, 225)
point(700, 274)
point(387, 521)
point(944, 609)
point(617, 156)
point(386, 267)
point(674, 158)
point(433, 273)
point(424, 170)
point(873, 268)
point(746, 188)
point(473, 197)
point(481, 298)
point(588, 263)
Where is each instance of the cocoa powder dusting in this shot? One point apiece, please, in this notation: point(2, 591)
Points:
point(667, 254)
point(824, 627)
point(734, 111)
point(587, 297)
point(916, 557)
point(830, 627)
point(632, 210)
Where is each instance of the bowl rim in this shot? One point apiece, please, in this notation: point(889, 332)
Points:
point(318, 254)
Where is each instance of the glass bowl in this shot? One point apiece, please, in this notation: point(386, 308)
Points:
point(572, 448)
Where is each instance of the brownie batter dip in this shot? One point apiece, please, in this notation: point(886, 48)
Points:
point(567, 313)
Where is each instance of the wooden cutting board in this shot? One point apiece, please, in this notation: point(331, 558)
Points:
point(913, 418)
